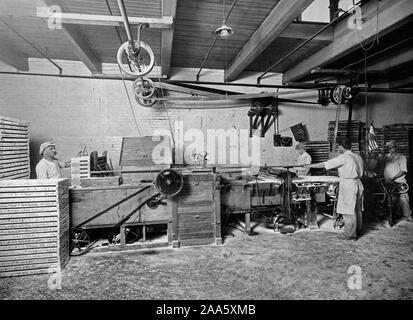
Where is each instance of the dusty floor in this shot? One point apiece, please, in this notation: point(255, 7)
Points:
point(309, 264)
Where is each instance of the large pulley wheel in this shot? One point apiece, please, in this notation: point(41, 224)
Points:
point(146, 102)
point(169, 182)
point(143, 88)
point(341, 94)
point(79, 242)
point(136, 62)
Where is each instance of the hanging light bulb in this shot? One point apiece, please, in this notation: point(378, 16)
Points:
point(224, 31)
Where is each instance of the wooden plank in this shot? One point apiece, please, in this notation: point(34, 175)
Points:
point(6, 127)
point(24, 189)
point(28, 267)
point(32, 215)
point(26, 262)
point(14, 173)
point(9, 134)
point(106, 20)
point(47, 200)
point(27, 194)
point(28, 246)
point(305, 30)
point(27, 230)
point(26, 252)
point(24, 272)
point(5, 172)
point(9, 242)
point(392, 14)
point(13, 58)
point(15, 120)
point(273, 25)
point(27, 226)
point(168, 9)
point(20, 236)
point(27, 209)
point(18, 258)
point(31, 183)
point(18, 220)
point(14, 157)
point(79, 45)
point(16, 164)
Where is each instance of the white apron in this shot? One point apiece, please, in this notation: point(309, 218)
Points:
point(350, 193)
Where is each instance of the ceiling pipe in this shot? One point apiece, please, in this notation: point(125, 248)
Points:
point(294, 86)
point(122, 10)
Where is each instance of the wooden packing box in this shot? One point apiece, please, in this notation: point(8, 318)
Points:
point(34, 226)
point(196, 211)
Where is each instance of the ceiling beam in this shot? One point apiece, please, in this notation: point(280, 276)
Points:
point(104, 20)
point(168, 9)
point(300, 30)
point(392, 15)
point(392, 61)
point(275, 23)
point(402, 83)
point(13, 58)
point(78, 44)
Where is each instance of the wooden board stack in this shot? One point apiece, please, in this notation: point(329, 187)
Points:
point(79, 169)
point(399, 132)
point(357, 133)
point(14, 149)
point(34, 226)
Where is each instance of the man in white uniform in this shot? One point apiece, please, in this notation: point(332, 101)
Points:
point(350, 197)
point(49, 167)
point(395, 170)
point(303, 159)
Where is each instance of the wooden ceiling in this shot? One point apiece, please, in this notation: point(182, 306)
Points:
point(264, 32)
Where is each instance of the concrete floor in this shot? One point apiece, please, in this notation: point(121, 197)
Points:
point(308, 264)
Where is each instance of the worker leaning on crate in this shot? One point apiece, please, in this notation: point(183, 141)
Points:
point(49, 167)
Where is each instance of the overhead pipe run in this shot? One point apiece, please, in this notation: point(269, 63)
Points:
point(294, 86)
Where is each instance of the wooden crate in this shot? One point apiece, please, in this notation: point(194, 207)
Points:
point(14, 149)
point(79, 169)
point(196, 211)
point(34, 226)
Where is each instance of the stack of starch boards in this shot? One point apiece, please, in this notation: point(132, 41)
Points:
point(34, 226)
point(357, 132)
point(14, 149)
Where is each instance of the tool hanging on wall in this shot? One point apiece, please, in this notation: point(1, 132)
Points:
point(263, 111)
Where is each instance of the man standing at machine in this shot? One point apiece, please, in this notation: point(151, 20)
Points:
point(303, 159)
point(395, 170)
point(49, 167)
point(350, 171)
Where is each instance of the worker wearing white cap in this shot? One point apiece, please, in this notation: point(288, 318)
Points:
point(49, 167)
point(303, 159)
point(395, 170)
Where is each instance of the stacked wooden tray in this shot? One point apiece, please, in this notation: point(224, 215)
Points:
point(318, 150)
point(34, 226)
point(399, 132)
point(357, 133)
point(14, 149)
